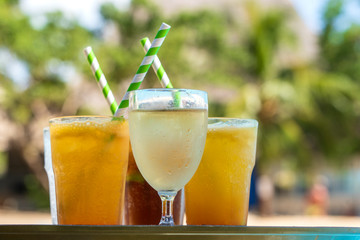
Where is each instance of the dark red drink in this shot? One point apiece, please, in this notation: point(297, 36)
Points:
point(142, 202)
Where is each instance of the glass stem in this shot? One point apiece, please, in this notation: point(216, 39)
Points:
point(167, 199)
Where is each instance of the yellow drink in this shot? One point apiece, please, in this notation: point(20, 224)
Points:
point(168, 145)
point(90, 158)
point(218, 194)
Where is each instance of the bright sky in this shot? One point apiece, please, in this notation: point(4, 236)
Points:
point(310, 11)
point(88, 14)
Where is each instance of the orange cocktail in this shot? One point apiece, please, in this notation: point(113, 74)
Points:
point(90, 158)
point(218, 194)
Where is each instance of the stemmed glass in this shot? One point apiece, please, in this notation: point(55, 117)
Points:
point(168, 131)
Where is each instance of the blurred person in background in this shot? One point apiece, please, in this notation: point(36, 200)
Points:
point(318, 197)
point(265, 192)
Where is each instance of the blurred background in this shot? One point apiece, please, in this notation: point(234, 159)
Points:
point(293, 65)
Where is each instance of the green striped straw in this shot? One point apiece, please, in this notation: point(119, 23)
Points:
point(100, 78)
point(144, 67)
point(160, 71)
point(157, 66)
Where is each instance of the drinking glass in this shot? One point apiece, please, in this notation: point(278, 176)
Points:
point(167, 133)
point(89, 159)
point(218, 194)
point(50, 173)
point(142, 202)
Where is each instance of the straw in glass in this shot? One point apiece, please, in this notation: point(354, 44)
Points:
point(157, 66)
point(144, 67)
point(100, 78)
point(160, 71)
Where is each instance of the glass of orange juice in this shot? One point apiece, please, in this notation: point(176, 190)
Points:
point(218, 194)
point(90, 158)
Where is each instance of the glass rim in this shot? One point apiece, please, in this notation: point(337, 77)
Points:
point(166, 98)
point(82, 118)
point(169, 90)
point(253, 122)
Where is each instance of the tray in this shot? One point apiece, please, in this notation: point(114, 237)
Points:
point(176, 232)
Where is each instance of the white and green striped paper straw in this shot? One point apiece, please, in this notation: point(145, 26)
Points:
point(144, 67)
point(157, 66)
point(100, 78)
point(160, 71)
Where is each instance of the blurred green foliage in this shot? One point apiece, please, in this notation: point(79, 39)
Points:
point(3, 164)
point(309, 112)
point(38, 195)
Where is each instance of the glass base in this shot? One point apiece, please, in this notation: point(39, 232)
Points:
point(167, 221)
point(167, 199)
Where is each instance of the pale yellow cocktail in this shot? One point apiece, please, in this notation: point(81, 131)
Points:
point(168, 145)
point(167, 131)
point(218, 194)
